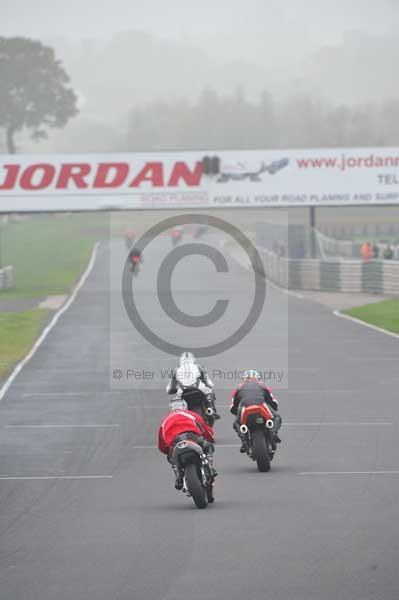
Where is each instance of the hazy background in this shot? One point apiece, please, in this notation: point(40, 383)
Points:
point(185, 74)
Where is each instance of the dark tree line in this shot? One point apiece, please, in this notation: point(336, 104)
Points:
point(235, 122)
point(35, 95)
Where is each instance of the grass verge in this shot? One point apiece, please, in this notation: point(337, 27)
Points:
point(383, 314)
point(18, 332)
point(49, 252)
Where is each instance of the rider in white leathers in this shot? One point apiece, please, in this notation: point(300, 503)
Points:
point(190, 374)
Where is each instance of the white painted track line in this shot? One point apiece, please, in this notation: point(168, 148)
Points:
point(338, 313)
point(337, 424)
point(55, 426)
point(35, 478)
point(316, 391)
point(44, 394)
point(67, 394)
point(363, 359)
point(349, 473)
point(53, 322)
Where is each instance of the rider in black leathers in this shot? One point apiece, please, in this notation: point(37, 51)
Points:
point(253, 391)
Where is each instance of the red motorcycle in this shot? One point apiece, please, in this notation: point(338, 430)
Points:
point(198, 472)
point(256, 428)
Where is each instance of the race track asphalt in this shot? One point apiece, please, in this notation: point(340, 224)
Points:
point(322, 525)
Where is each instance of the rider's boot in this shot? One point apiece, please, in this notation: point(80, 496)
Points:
point(244, 445)
point(179, 478)
point(212, 466)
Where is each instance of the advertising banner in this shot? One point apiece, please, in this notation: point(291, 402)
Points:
point(175, 180)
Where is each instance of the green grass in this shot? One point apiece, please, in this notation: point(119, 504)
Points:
point(383, 314)
point(18, 332)
point(49, 252)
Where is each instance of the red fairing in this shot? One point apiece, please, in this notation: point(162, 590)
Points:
point(255, 409)
point(178, 422)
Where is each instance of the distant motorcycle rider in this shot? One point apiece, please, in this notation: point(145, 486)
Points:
point(182, 424)
point(135, 251)
point(135, 257)
point(252, 391)
point(189, 374)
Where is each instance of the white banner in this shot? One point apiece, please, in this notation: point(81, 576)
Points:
point(322, 177)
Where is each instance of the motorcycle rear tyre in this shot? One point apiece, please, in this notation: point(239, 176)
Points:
point(195, 487)
point(260, 450)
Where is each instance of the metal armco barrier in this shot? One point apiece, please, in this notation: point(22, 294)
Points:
point(374, 276)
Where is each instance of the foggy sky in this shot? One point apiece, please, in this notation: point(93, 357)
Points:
point(295, 25)
point(338, 51)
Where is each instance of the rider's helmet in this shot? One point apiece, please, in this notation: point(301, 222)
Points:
point(252, 375)
point(187, 357)
point(177, 404)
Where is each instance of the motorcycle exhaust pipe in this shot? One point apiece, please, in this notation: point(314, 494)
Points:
point(269, 424)
point(209, 411)
point(243, 429)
